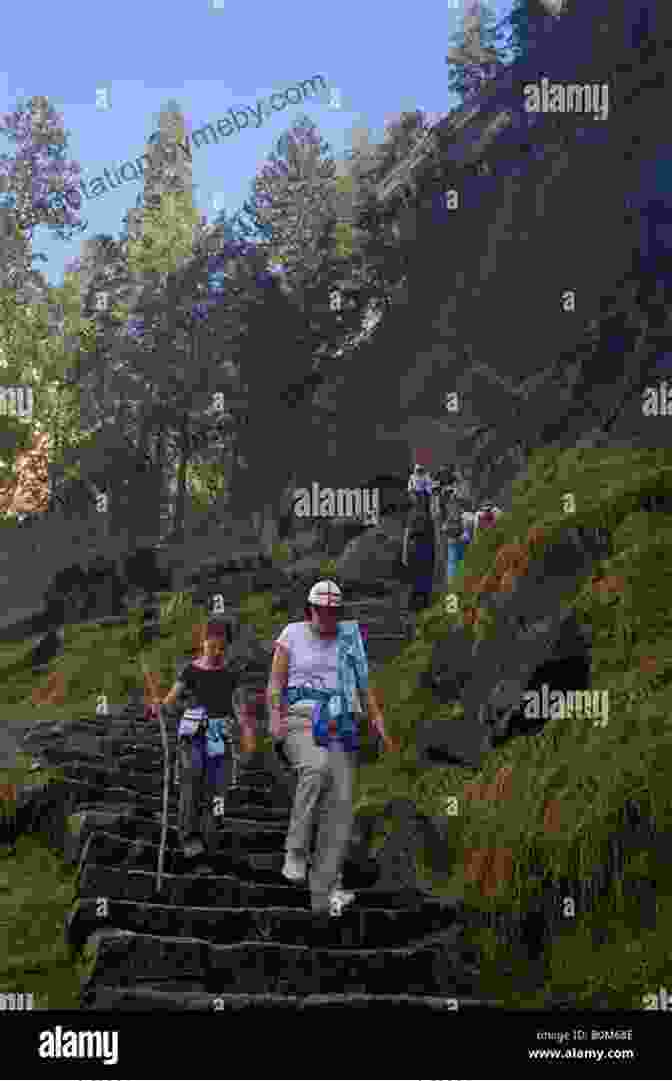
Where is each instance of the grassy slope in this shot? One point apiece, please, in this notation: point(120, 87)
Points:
point(590, 771)
point(33, 956)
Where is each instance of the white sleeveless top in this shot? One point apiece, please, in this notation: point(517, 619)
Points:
point(312, 660)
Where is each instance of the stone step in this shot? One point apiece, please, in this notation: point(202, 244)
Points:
point(120, 958)
point(227, 891)
point(240, 819)
point(144, 759)
point(108, 849)
point(89, 744)
point(89, 817)
point(151, 783)
point(187, 997)
point(256, 835)
point(85, 733)
point(242, 932)
point(357, 928)
point(259, 780)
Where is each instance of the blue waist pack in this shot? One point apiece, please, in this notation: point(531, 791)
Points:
point(193, 722)
point(216, 731)
point(331, 718)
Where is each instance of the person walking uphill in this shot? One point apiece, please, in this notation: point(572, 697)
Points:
point(318, 686)
point(418, 555)
point(452, 534)
point(207, 751)
point(421, 487)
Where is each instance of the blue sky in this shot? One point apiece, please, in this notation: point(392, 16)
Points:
point(381, 58)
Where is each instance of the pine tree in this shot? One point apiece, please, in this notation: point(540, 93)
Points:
point(401, 135)
point(477, 55)
point(292, 203)
point(527, 21)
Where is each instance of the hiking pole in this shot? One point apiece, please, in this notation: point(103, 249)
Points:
point(164, 811)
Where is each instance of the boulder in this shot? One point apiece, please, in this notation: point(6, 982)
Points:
point(462, 741)
point(450, 666)
point(105, 588)
point(520, 658)
point(227, 565)
point(306, 570)
point(358, 857)
point(412, 838)
point(339, 532)
point(144, 570)
point(373, 556)
point(269, 578)
point(567, 671)
point(535, 639)
point(66, 598)
point(49, 646)
point(307, 542)
point(392, 492)
point(250, 658)
point(397, 857)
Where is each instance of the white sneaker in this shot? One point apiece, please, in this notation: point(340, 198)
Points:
point(192, 849)
point(339, 899)
point(295, 867)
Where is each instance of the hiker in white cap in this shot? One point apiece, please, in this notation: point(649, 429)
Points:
point(317, 688)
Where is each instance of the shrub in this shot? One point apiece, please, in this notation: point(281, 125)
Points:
point(281, 554)
point(328, 568)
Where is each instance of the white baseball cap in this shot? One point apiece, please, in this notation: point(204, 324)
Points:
point(325, 595)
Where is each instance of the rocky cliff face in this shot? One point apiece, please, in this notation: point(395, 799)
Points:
point(544, 340)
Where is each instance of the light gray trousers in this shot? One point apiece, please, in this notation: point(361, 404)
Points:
point(324, 799)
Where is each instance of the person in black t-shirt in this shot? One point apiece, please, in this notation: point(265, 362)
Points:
point(207, 739)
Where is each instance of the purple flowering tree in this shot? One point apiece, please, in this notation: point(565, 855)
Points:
point(38, 183)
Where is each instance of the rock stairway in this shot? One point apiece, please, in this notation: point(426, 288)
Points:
point(386, 617)
point(386, 623)
point(241, 937)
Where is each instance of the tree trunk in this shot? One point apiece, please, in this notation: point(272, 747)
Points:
point(287, 503)
point(166, 510)
point(181, 494)
point(268, 532)
point(239, 502)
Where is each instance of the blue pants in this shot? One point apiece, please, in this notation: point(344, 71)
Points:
point(202, 779)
